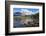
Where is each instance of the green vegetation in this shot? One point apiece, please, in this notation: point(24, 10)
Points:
point(35, 16)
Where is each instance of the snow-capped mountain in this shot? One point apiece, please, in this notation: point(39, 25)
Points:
point(25, 12)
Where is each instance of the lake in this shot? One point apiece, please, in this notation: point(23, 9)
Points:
point(17, 23)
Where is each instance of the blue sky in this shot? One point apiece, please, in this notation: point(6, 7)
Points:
point(33, 10)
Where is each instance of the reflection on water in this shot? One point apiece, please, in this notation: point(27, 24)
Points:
point(22, 22)
point(18, 23)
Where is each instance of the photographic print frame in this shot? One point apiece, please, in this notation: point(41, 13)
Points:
point(10, 4)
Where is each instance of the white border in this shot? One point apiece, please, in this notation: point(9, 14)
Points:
point(27, 28)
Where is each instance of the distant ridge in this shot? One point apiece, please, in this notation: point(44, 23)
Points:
point(17, 14)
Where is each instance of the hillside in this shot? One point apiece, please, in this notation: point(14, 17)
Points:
point(35, 19)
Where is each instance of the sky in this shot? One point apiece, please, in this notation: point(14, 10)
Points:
point(32, 10)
